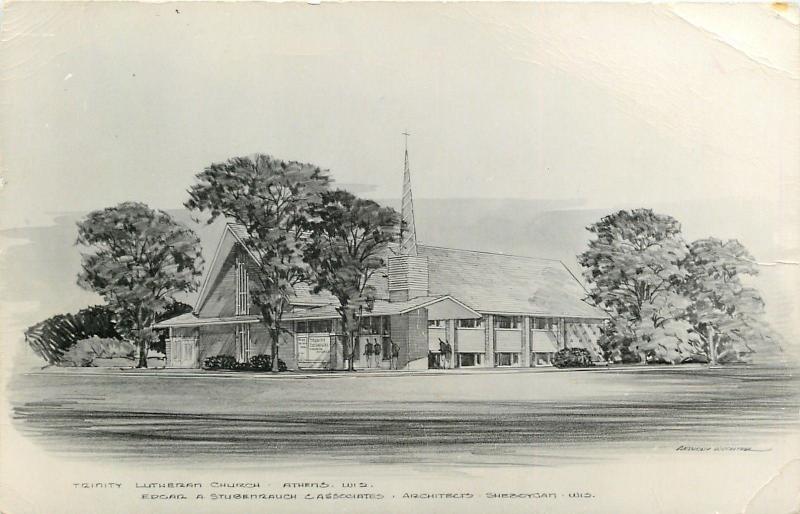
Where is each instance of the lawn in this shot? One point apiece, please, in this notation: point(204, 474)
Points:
point(486, 416)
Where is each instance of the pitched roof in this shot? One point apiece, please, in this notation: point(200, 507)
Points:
point(303, 293)
point(486, 282)
point(499, 283)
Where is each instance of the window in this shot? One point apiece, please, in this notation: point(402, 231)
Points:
point(242, 303)
point(506, 359)
point(372, 325)
point(470, 323)
point(507, 322)
point(435, 323)
point(301, 327)
point(243, 342)
point(468, 360)
point(544, 323)
point(321, 326)
point(541, 359)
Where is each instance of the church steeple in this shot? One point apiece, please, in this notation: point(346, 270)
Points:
point(408, 231)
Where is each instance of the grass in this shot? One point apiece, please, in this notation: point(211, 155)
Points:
point(399, 417)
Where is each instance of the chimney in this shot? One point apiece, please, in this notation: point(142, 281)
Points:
point(408, 277)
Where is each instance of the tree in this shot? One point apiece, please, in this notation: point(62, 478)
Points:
point(348, 237)
point(271, 199)
point(137, 260)
point(54, 336)
point(634, 267)
point(727, 315)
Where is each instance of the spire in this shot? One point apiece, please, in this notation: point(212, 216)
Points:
point(408, 231)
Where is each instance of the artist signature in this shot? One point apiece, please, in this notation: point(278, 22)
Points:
point(686, 448)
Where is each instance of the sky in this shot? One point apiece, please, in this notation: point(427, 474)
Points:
point(611, 104)
point(538, 117)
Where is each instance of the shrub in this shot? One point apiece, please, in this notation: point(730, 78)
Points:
point(84, 352)
point(52, 337)
point(257, 363)
point(220, 362)
point(572, 358)
point(264, 363)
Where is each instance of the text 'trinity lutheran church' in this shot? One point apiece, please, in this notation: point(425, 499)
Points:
point(493, 309)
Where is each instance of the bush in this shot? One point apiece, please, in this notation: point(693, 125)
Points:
point(84, 352)
point(220, 362)
point(257, 363)
point(261, 362)
point(573, 358)
point(52, 337)
point(264, 363)
point(617, 347)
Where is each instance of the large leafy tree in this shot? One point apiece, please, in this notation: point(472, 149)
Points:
point(137, 259)
point(633, 267)
point(348, 238)
point(725, 313)
point(272, 200)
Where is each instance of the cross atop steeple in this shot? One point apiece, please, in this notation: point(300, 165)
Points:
point(408, 231)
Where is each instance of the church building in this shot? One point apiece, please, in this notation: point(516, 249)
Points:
point(436, 307)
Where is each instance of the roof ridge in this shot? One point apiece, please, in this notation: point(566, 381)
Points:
point(492, 253)
point(463, 250)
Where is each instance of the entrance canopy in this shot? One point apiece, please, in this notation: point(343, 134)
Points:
point(447, 307)
point(438, 307)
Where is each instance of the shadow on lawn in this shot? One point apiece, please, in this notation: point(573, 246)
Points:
point(744, 407)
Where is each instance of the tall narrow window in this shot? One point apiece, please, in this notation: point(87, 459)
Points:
point(243, 342)
point(242, 304)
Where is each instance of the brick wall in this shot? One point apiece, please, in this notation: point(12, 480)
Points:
point(526, 342)
point(410, 333)
point(489, 358)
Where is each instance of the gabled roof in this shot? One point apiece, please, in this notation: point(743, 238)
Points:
point(489, 283)
point(226, 243)
point(303, 293)
point(507, 284)
point(236, 234)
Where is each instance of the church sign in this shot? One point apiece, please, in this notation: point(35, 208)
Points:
point(313, 350)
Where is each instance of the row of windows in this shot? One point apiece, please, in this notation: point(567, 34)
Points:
point(370, 326)
point(460, 323)
point(467, 360)
point(537, 323)
point(507, 322)
point(322, 326)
